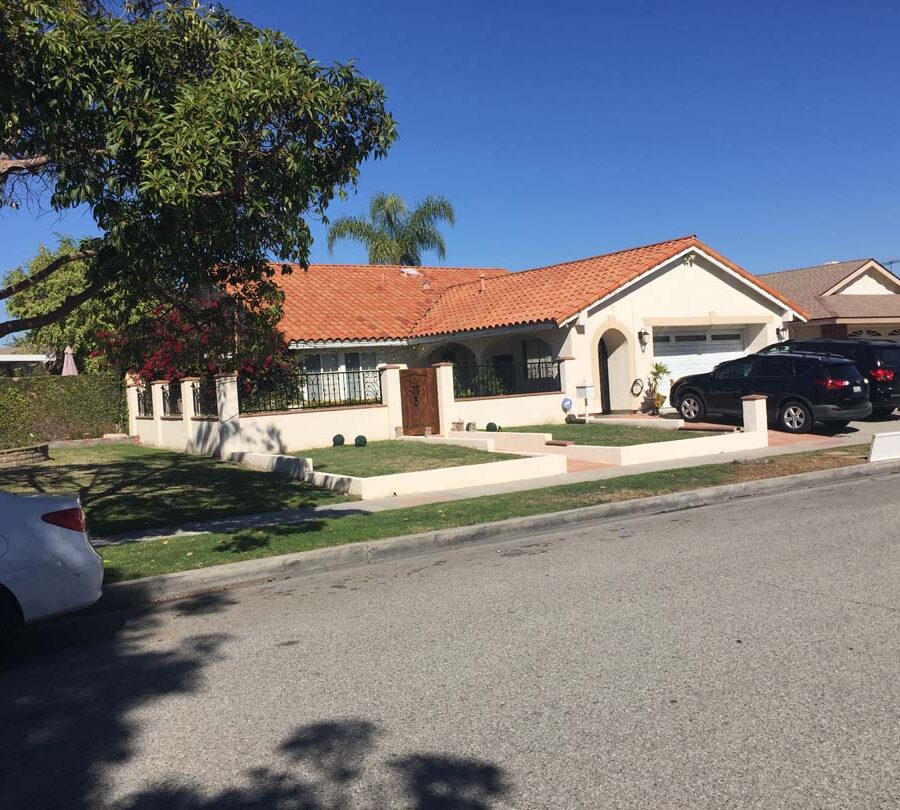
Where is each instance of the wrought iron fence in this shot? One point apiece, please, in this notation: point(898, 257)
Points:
point(145, 402)
point(327, 389)
point(506, 379)
point(171, 399)
point(205, 402)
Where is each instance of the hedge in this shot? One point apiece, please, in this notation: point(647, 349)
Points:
point(49, 408)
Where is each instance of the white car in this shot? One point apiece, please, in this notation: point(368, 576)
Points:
point(47, 563)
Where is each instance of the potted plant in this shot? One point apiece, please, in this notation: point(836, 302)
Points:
point(654, 396)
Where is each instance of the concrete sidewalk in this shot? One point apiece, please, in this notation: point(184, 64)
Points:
point(786, 445)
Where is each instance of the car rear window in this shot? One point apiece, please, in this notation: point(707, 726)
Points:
point(889, 356)
point(842, 371)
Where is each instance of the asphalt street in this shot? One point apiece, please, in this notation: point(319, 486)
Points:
point(746, 655)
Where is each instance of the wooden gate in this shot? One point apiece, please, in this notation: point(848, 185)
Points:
point(419, 401)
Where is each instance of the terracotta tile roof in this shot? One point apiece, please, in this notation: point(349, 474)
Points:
point(805, 284)
point(558, 292)
point(383, 302)
point(363, 301)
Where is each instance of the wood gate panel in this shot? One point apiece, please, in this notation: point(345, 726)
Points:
point(419, 401)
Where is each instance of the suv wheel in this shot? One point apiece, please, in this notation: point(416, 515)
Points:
point(795, 417)
point(691, 407)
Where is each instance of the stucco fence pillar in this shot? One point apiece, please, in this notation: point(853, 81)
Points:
point(444, 374)
point(156, 397)
point(390, 397)
point(567, 377)
point(132, 386)
point(228, 406)
point(756, 418)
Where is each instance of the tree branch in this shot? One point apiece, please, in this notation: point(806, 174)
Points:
point(37, 321)
point(10, 165)
point(49, 270)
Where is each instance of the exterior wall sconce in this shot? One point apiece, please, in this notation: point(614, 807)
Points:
point(781, 332)
point(643, 337)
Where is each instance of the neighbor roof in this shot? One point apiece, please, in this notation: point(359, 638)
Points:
point(374, 302)
point(805, 284)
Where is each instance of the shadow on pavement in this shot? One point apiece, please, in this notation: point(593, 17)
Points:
point(68, 701)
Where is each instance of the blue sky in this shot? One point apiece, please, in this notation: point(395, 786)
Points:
point(563, 130)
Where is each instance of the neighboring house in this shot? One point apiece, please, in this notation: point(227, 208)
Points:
point(21, 361)
point(859, 298)
point(679, 302)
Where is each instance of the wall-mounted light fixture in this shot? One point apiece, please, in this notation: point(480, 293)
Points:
point(643, 337)
point(781, 332)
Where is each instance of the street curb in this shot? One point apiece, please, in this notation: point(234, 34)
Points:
point(168, 587)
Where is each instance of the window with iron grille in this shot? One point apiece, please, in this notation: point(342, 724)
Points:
point(506, 379)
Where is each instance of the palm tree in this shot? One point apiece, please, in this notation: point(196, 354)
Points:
point(393, 234)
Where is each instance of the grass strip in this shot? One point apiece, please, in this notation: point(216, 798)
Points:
point(135, 560)
point(611, 435)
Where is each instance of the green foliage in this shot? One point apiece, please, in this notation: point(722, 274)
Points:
point(80, 329)
point(49, 408)
point(654, 396)
point(491, 427)
point(360, 441)
point(338, 440)
point(200, 143)
point(393, 234)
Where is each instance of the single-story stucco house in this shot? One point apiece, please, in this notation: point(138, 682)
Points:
point(22, 361)
point(859, 298)
point(679, 302)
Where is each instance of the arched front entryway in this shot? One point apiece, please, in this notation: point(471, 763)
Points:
point(615, 371)
point(454, 353)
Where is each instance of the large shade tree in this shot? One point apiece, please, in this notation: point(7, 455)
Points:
point(393, 234)
point(200, 143)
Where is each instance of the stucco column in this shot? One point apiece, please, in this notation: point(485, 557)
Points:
point(567, 381)
point(446, 400)
point(132, 386)
point(390, 397)
point(156, 397)
point(756, 419)
point(229, 414)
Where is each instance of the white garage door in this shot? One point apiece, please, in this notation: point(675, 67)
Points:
point(695, 351)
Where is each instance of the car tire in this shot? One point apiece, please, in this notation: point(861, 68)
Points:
point(795, 417)
point(691, 407)
point(10, 621)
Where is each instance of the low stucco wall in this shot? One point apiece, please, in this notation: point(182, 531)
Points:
point(502, 441)
point(287, 466)
point(145, 430)
point(469, 475)
point(303, 430)
point(511, 411)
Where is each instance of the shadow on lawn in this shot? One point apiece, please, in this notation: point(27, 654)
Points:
point(71, 705)
point(149, 489)
point(250, 541)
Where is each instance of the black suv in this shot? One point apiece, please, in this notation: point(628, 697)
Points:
point(800, 389)
point(878, 360)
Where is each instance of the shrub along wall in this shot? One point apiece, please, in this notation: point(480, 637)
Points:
point(45, 408)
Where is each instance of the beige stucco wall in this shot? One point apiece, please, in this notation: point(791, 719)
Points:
point(532, 409)
point(678, 295)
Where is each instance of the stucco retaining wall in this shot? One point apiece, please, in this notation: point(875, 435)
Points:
point(511, 411)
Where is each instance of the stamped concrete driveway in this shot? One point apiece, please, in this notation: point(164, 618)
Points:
point(740, 656)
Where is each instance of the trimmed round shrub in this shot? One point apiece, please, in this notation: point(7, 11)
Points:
point(360, 441)
point(338, 440)
point(491, 427)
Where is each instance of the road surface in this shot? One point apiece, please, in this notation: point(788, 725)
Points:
point(741, 656)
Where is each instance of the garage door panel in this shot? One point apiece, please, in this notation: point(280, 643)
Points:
point(695, 351)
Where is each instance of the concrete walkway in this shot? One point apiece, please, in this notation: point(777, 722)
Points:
point(779, 444)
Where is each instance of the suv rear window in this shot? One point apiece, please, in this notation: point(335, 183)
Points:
point(889, 355)
point(842, 371)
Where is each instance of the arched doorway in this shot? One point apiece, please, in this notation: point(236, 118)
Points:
point(615, 371)
point(454, 353)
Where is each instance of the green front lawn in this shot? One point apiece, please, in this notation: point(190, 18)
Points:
point(611, 435)
point(125, 487)
point(131, 561)
point(396, 456)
